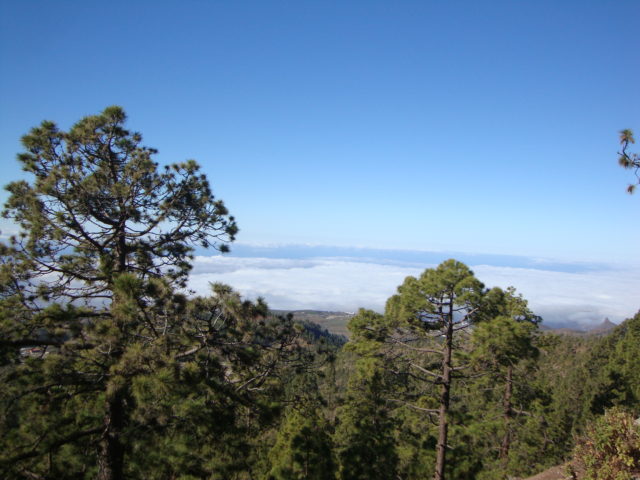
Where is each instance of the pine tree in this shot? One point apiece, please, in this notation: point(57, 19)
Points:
point(627, 159)
point(103, 358)
point(500, 344)
point(303, 447)
point(430, 314)
point(364, 438)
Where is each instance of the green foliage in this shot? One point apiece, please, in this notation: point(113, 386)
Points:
point(491, 412)
point(618, 382)
point(184, 392)
point(629, 160)
point(365, 446)
point(98, 206)
point(610, 448)
point(430, 315)
point(415, 438)
point(494, 403)
point(574, 382)
point(364, 436)
point(303, 448)
point(416, 305)
point(369, 330)
point(497, 302)
point(107, 370)
point(503, 342)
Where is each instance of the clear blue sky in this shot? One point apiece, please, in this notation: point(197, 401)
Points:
point(484, 127)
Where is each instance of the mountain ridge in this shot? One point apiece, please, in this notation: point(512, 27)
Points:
point(336, 322)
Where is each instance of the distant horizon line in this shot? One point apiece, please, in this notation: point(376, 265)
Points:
point(536, 258)
point(314, 250)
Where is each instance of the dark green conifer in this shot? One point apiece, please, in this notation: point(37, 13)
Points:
point(364, 438)
point(108, 370)
point(303, 447)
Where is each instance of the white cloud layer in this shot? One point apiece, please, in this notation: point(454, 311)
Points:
point(321, 284)
point(343, 284)
point(571, 298)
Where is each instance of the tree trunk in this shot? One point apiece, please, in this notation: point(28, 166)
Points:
point(441, 448)
point(507, 415)
point(111, 455)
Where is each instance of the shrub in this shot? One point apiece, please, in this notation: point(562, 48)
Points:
point(610, 448)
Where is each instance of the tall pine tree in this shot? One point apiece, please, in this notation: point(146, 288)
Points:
point(103, 359)
point(430, 314)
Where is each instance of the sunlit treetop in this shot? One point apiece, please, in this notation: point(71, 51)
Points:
point(98, 205)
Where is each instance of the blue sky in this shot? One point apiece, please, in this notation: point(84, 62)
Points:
point(476, 127)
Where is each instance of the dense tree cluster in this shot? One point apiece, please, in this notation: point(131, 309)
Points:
point(109, 369)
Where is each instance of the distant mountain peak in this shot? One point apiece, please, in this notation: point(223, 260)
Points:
point(604, 327)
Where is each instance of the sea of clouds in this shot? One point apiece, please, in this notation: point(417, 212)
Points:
point(571, 294)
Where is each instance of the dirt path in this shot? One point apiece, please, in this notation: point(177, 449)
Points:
point(554, 473)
